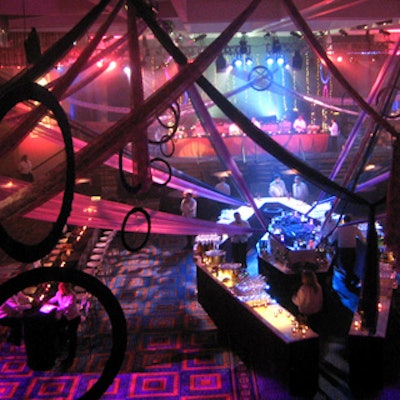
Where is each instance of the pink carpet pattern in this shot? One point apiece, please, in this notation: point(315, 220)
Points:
point(174, 350)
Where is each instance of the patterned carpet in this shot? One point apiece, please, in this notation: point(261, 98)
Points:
point(174, 350)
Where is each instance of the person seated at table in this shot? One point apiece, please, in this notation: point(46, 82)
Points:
point(277, 188)
point(300, 125)
point(309, 298)
point(11, 312)
point(70, 318)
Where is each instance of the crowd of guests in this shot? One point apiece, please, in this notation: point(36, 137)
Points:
point(298, 125)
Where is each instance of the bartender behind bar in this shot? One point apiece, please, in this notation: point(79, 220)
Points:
point(69, 318)
point(239, 241)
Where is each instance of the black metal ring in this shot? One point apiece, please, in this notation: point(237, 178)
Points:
point(176, 111)
point(261, 73)
point(169, 141)
point(146, 238)
point(131, 189)
point(106, 298)
point(32, 91)
point(175, 107)
point(169, 169)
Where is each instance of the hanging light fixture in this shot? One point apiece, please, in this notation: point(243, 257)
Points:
point(220, 64)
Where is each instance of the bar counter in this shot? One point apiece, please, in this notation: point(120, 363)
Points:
point(269, 334)
point(367, 349)
point(284, 281)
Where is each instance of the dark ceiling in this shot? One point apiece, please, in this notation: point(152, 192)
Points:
point(210, 16)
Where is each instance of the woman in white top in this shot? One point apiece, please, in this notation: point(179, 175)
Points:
point(309, 297)
point(70, 317)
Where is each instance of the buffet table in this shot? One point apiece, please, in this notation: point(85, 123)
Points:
point(268, 332)
point(194, 147)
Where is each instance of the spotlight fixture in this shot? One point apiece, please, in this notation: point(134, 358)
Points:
point(237, 62)
point(280, 61)
point(243, 46)
point(249, 61)
point(270, 61)
point(362, 27)
point(343, 32)
point(200, 38)
point(276, 45)
point(296, 34)
point(384, 23)
point(220, 64)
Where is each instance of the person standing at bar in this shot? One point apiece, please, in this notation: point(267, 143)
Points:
point(309, 298)
point(25, 169)
point(277, 187)
point(300, 189)
point(189, 210)
point(239, 241)
point(333, 135)
point(346, 236)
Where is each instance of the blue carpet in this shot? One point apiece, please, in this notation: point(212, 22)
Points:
point(174, 349)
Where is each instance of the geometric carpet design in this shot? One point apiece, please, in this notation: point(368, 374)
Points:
point(174, 350)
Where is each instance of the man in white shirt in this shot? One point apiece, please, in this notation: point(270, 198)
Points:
point(300, 125)
point(277, 187)
point(189, 210)
point(223, 186)
point(333, 135)
point(299, 189)
point(25, 168)
point(346, 236)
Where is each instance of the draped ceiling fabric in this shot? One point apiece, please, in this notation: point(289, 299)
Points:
point(104, 214)
point(41, 199)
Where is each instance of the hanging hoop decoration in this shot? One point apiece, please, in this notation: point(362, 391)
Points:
point(164, 146)
point(260, 78)
point(176, 112)
point(136, 210)
point(157, 159)
point(324, 80)
point(129, 188)
point(106, 298)
point(32, 91)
